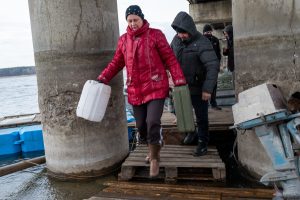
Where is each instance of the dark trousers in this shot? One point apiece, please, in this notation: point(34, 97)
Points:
point(201, 111)
point(147, 118)
point(213, 101)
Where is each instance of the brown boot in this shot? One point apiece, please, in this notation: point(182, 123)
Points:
point(154, 160)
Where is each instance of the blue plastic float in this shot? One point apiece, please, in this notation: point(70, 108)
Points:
point(8, 137)
point(21, 139)
point(31, 138)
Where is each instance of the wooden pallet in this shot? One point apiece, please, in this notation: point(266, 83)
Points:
point(176, 163)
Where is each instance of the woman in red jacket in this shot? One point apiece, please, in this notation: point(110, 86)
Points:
point(147, 55)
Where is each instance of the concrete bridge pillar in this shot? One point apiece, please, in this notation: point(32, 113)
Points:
point(267, 49)
point(73, 41)
point(215, 12)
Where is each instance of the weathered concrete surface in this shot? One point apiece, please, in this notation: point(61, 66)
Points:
point(211, 12)
point(267, 39)
point(73, 42)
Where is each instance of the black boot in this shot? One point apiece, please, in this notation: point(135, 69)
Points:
point(201, 149)
point(190, 138)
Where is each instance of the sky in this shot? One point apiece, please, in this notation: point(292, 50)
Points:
point(16, 47)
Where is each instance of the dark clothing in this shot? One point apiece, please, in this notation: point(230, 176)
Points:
point(213, 98)
point(200, 66)
point(196, 56)
point(134, 10)
point(148, 121)
point(201, 112)
point(216, 45)
point(229, 51)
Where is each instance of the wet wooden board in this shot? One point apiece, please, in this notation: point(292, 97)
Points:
point(219, 120)
point(140, 190)
point(19, 120)
point(176, 163)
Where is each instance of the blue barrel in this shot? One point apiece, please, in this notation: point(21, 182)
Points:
point(8, 137)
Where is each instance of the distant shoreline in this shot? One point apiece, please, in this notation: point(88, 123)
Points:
point(17, 71)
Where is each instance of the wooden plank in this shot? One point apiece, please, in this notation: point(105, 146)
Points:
point(179, 155)
point(142, 156)
point(175, 151)
point(127, 172)
point(155, 194)
point(179, 147)
point(192, 189)
point(183, 153)
point(178, 163)
point(222, 174)
point(218, 119)
point(120, 194)
point(171, 174)
point(219, 173)
point(183, 159)
point(144, 174)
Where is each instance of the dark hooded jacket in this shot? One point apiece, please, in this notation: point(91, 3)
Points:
point(196, 56)
point(229, 51)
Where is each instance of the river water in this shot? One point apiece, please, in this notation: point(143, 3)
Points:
point(18, 95)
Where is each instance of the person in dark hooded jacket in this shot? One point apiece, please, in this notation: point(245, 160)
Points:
point(200, 66)
point(229, 51)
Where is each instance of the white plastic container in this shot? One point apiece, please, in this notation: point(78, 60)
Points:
point(93, 101)
point(258, 101)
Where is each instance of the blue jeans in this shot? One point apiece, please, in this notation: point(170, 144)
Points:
point(201, 111)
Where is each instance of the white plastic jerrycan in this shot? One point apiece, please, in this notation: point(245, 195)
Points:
point(93, 101)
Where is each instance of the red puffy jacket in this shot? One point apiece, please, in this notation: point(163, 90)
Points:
point(146, 55)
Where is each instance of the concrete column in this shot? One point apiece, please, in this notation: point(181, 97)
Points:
point(73, 41)
point(217, 13)
point(267, 49)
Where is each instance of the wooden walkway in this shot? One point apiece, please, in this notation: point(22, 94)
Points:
point(176, 163)
point(148, 191)
point(219, 120)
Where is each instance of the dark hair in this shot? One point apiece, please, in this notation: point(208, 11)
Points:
point(134, 10)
